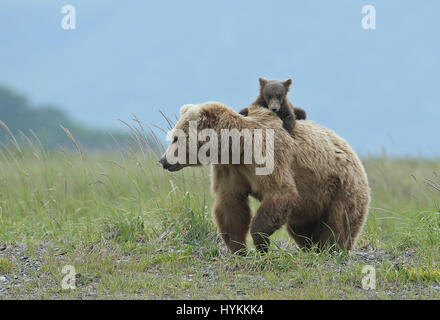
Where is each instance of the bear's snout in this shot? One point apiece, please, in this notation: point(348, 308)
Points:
point(274, 108)
point(167, 166)
point(163, 161)
point(274, 105)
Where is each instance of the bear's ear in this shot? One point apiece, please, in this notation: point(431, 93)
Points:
point(287, 83)
point(191, 111)
point(185, 108)
point(262, 82)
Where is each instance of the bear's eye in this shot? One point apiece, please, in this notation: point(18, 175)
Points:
point(175, 139)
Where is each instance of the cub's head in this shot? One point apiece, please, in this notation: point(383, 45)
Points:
point(274, 92)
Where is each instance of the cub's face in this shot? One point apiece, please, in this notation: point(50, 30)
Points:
point(274, 92)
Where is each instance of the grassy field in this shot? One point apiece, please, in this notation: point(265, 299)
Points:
point(134, 231)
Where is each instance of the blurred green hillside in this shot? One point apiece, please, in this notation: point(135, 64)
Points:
point(46, 121)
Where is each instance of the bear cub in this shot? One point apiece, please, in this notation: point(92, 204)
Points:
point(273, 96)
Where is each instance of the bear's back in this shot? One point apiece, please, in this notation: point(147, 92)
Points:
point(320, 149)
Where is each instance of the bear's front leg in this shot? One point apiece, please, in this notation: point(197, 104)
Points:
point(271, 216)
point(233, 216)
point(289, 123)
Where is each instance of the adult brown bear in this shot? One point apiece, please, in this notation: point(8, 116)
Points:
point(317, 186)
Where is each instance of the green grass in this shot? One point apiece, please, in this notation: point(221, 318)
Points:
point(5, 266)
point(133, 230)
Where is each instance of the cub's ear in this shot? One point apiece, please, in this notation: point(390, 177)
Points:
point(262, 82)
point(185, 108)
point(287, 83)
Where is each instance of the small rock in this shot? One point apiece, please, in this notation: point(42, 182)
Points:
point(2, 279)
point(436, 288)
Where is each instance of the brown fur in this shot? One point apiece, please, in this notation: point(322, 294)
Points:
point(273, 96)
point(318, 188)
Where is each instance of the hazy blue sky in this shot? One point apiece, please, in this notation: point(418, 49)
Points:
point(376, 88)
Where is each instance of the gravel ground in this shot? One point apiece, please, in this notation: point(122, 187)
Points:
point(28, 280)
point(25, 266)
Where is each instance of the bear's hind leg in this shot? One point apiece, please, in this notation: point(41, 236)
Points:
point(271, 215)
point(343, 224)
point(321, 234)
point(302, 233)
point(334, 229)
point(233, 215)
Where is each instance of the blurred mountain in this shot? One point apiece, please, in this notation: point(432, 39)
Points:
point(22, 118)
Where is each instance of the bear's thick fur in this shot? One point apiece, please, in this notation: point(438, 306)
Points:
point(318, 187)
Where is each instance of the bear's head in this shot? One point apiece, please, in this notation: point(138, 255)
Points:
point(213, 133)
point(196, 121)
point(274, 92)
